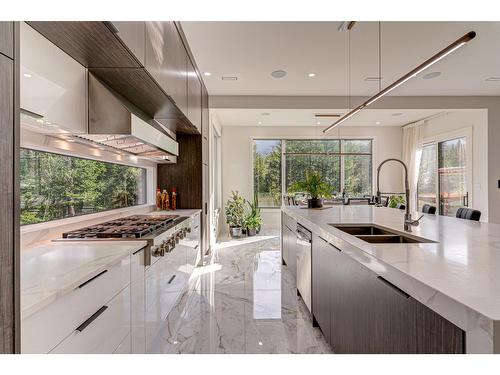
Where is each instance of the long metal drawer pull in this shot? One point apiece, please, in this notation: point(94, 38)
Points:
point(92, 279)
point(94, 316)
point(171, 279)
point(400, 291)
point(335, 247)
point(135, 252)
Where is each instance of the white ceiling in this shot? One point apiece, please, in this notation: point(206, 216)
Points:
point(252, 50)
point(306, 117)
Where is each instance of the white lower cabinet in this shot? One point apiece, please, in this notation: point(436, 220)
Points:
point(102, 332)
point(44, 330)
point(137, 303)
point(121, 309)
point(166, 279)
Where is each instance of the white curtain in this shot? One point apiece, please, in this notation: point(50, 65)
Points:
point(412, 153)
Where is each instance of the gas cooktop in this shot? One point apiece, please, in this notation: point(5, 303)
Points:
point(135, 226)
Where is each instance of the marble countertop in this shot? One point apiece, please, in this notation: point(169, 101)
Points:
point(53, 269)
point(463, 264)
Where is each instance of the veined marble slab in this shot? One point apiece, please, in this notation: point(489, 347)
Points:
point(51, 270)
point(458, 276)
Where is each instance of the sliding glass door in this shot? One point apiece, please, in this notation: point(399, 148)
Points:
point(452, 172)
point(443, 176)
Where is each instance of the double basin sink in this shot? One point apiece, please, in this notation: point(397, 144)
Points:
point(376, 234)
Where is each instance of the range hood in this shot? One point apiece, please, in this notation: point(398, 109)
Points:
point(111, 123)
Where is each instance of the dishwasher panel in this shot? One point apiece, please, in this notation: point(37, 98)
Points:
point(304, 264)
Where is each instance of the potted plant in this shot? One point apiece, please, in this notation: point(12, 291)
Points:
point(394, 200)
point(254, 220)
point(316, 186)
point(235, 214)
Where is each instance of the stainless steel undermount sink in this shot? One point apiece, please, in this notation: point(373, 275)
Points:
point(373, 233)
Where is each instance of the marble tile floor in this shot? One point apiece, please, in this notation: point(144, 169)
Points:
point(242, 301)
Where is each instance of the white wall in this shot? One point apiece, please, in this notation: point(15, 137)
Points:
point(237, 173)
point(477, 119)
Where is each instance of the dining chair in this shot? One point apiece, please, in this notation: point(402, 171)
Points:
point(428, 209)
point(468, 214)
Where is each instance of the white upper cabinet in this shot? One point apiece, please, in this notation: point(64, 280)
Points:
point(53, 86)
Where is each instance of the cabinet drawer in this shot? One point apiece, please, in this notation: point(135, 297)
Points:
point(43, 330)
point(105, 330)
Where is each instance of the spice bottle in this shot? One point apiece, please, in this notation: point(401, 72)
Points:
point(167, 201)
point(174, 198)
point(158, 199)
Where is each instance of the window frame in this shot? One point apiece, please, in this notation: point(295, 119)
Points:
point(283, 140)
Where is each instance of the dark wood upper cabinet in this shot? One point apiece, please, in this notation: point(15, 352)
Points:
point(194, 112)
point(132, 34)
point(205, 116)
point(7, 38)
point(146, 63)
point(166, 60)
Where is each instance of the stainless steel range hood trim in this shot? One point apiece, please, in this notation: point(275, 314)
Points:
point(110, 116)
point(142, 130)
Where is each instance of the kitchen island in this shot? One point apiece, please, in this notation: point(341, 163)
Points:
point(455, 276)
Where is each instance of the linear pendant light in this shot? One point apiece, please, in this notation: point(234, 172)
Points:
point(426, 64)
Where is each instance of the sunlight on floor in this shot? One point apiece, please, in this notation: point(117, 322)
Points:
point(242, 241)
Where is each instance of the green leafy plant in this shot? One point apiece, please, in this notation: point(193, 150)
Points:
point(394, 200)
point(235, 210)
point(314, 184)
point(254, 218)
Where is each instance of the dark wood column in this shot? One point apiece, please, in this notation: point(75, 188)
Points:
point(9, 188)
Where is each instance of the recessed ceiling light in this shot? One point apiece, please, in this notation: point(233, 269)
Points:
point(265, 113)
point(229, 78)
point(397, 114)
point(431, 75)
point(27, 75)
point(377, 123)
point(278, 74)
point(492, 79)
point(311, 75)
point(208, 74)
point(318, 123)
point(260, 122)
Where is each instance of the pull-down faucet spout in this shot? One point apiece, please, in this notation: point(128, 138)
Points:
point(408, 222)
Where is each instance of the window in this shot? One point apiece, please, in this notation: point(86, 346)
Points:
point(267, 172)
point(56, 186)
point(307, 155)
point(346, 165)
point(357, 167)
point(442, 177)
